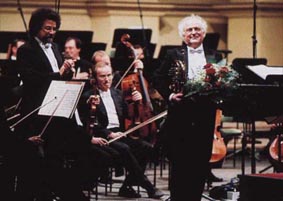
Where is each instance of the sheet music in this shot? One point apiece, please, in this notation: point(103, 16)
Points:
point(67, 96)
point(263, 71)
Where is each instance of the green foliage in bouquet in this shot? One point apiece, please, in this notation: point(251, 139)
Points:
point(211, 80)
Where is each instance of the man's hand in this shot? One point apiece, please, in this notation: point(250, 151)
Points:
point(93, 100)
point(136, 96)
point(67, 66)
point(176, 97)
point(100, 141)
point(82, 76)
point(37, 140)
point(115, 135)
point(138, 64)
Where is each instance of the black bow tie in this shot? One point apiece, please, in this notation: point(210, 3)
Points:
point(47, 45)
point(196, 51)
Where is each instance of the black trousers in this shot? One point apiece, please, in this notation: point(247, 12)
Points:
point(135, 155)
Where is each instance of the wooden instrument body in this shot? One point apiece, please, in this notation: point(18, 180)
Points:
point(219, 148)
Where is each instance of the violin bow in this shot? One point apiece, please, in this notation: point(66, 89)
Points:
point(52, 115)
point(148, 121)
point(128, 69)
point(38, 108)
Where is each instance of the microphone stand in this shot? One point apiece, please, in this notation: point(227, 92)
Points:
point(254, 30)
point(143, 32)
point(22, 15)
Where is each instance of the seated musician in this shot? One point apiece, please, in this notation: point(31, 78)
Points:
point(110, 115)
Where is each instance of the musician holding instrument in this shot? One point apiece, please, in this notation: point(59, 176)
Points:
point(110, 114)
point(190, 121)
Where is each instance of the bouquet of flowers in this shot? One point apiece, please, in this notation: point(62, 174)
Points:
point(211, 80)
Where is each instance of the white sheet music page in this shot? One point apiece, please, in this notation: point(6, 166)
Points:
point(67, 95)
point(263, 71)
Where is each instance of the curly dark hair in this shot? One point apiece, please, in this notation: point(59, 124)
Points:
point(39, 16)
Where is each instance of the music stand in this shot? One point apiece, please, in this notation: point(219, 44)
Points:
point(89, 48)
point(164, 49)
point(136, 36)
point(61, 36)
point(7, 37)
point(239, 64)
point(211, 40)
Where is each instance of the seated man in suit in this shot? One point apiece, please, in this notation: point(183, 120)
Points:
point(111, 111)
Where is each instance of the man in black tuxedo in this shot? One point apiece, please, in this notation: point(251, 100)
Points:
point(111, 111)
point(40, 62)
point(190, 120)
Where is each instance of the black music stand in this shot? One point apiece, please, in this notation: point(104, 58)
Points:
point(7, 37)
point(211, 41)
point(239, 64)
point(140, 37)
point(89, 48)
point(164, 49)
point(61, 36)
point(136, 36)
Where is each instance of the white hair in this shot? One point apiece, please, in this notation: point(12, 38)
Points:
point(187, 21)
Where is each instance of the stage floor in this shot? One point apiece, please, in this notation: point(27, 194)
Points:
point(227, 172)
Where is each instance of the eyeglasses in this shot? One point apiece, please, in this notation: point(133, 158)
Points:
point(49, 28)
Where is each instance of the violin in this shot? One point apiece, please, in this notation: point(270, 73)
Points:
point(219, 148)
point(93, 101)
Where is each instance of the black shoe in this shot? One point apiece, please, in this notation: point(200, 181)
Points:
point(156, 193)
point(128, 192)
point(213, 178)
point(104, 180)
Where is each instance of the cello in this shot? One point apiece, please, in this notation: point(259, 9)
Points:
point(142, 110)
point(276, 148)
point(219, 148)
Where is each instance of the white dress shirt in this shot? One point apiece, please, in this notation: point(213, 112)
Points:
point(196, 62)
point(113, 121)
point(50, 55)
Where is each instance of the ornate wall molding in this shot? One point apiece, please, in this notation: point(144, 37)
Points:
point(164, 7)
